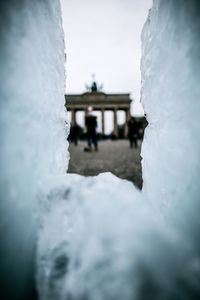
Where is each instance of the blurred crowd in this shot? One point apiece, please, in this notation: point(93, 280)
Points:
point(135, 132)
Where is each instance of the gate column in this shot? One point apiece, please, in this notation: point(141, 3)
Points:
point(115, 123)
point(73, 116)
point(102, 121)
point(127, 119)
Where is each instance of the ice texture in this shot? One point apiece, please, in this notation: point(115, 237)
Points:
point(170, 95)
point(32, 125)
point(100, 238)
point(91, 242)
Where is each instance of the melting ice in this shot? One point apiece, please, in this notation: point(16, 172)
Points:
point(99, 237)
point(32, 122)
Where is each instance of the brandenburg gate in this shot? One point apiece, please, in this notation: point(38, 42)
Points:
point(99, 101)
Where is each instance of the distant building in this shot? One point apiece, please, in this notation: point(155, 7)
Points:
point(99, 102)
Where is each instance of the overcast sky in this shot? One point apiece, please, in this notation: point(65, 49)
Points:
point(103, 38)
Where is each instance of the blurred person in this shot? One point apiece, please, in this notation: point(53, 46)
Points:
point(75, 132)
point(91, 125)
point(132, 132)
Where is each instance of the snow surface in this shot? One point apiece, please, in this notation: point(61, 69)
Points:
point(99, 237)
point(32, 125)
point(170, 96)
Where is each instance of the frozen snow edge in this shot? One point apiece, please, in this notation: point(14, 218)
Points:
point(102, 221)
point(32, 130)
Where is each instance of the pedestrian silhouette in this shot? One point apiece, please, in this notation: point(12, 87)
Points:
point(132, 132)
point(91, 125)
point(75, 132)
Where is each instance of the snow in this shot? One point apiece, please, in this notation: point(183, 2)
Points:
point(86, 223)
point(170, 93)
point(98, 237)
point(115, 242)
point(32, 125)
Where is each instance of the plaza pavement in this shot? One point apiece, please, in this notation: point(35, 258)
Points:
point(113, 156)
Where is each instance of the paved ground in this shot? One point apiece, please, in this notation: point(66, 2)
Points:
point(113, 156)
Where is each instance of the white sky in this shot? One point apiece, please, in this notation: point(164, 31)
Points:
point(103, 38)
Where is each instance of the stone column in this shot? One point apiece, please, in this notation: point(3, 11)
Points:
point(73, 116)
point(102, 121)
point(128, 114)
point(86, 113)
point(115, 123)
